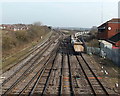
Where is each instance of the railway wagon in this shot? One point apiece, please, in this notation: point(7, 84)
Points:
point(78, 47)
point(77, 44)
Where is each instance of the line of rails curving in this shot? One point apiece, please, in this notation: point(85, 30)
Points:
point(30, 52)
point(56, 70)
point(24, 71)
point(37, 53)
point(48, 68)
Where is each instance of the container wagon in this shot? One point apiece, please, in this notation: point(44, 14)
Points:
point(77, 44)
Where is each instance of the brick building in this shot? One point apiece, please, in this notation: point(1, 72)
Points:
point(110, 31)
point(115, 40)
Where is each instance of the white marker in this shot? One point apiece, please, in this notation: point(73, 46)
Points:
point(116, 84)
point(106, 72)
point(101, 70)
point(2, 77)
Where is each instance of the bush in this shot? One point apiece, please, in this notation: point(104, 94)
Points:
point(22, 36)
point(8, 42)
point(19, 38)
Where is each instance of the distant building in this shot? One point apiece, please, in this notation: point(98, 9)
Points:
point(14, 27)
point(1, 27)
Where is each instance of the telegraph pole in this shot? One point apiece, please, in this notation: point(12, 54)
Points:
point(102, 11)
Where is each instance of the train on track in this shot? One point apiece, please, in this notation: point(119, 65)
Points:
point(78, 44)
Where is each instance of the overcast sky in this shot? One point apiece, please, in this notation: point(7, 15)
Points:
point(60, 14)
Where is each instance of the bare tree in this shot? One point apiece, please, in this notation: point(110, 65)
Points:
point(94, 31)
point(37, 23)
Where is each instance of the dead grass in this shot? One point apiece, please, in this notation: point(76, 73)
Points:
point(93, 43)
point(12, 40)
point(112, 69)
point(16, 57)
point(16, 44)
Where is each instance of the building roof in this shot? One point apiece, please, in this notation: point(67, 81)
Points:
point(115, 38)
point(114, 20)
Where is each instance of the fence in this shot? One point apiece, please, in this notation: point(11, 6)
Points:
point(112, 54)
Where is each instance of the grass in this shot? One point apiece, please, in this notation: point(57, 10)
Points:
point(17, 52)
point(14, 39)
point(113, 71)
point(12, 60)
point(93, 43)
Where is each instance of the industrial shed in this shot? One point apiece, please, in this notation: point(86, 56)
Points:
point(115, 40)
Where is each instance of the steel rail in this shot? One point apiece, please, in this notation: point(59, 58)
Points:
point(86, 76)
point(24, 74)
point(61, 77)
point(4, 82)
point(32, 50)
point(69, 67)
point(49, 75)
point(37, 74)
point(95, 76)
point(39, 77)
point(70, 76)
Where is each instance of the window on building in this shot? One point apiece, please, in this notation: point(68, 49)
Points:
point(117, 30)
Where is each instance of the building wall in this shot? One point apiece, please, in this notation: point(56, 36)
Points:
point(102, 34)
point(117, 43)
point(114, 29)
point(108, 33)
point(105, 44)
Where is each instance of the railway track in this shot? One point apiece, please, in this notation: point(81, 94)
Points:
point(93, 80)
point(58, 71)
point(65, 82)
point(30, 90)
point(96, 86)
point(26, 59)
point(42, 81)
point(25, 64)
point(61, 77)
point(39, 50)
point(31, 51)
point(21, 73)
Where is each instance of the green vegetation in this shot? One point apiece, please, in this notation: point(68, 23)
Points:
point(94, 31)
point(16, 57)
point(93, 43)
point(15, 44)
point(15, 39)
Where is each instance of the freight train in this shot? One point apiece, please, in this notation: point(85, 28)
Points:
point(77, 43)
